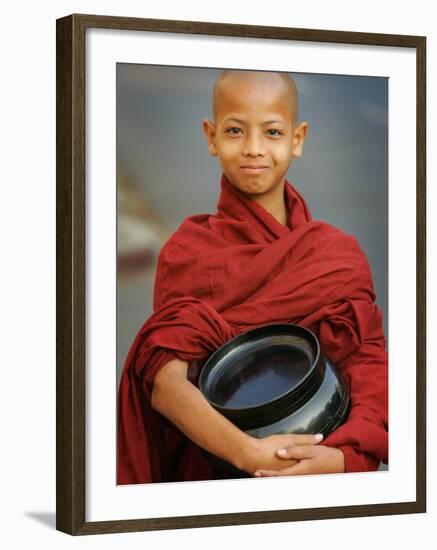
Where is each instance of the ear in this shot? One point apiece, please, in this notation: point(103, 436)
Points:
point(300, 134)
point(210, 133)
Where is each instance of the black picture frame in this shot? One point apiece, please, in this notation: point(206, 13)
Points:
point(71, 275)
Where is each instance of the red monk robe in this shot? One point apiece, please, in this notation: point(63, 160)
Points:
point(219, 275)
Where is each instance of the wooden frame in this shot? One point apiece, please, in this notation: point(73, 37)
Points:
point(71, 248)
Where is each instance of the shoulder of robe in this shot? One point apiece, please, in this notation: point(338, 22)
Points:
point(337, 238)
point(193, 237)
point(341, 234)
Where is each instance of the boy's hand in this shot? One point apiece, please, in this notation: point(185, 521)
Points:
point(263, 452)
point(310, 459)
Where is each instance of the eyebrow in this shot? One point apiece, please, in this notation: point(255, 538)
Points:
point(273, 121)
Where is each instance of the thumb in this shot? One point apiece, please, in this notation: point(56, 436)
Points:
point(297, 452)
point(305, 440)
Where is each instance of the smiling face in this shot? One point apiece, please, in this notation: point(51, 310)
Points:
point(254, 133)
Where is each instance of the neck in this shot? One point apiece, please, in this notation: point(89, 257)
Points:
point(274, 203)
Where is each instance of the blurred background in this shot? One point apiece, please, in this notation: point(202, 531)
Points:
point(164, 171)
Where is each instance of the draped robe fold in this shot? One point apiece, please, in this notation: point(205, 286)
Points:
point(221, 274)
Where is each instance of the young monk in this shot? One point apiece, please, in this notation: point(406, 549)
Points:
point(260, 259)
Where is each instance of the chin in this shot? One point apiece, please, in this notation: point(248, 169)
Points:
point(253, 188)
point(250, 192)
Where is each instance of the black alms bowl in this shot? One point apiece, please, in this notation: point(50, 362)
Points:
point(274, 380)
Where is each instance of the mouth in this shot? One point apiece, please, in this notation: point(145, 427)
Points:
point(253, 168)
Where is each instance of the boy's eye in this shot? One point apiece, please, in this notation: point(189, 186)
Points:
point(234, 130)
point(273, 132)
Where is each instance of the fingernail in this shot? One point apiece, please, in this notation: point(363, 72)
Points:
point(257, 474)
point(282, 451)
point(319, 437)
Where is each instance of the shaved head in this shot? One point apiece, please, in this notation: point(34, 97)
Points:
point(255, 134)
point(228, 79)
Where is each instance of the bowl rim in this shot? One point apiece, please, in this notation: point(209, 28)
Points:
point(253, 409)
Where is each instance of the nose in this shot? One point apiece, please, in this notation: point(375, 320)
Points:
point(253, 145)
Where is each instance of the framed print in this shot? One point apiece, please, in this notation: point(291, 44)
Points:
point(140, 159)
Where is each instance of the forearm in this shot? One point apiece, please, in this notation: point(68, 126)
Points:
point(185, 406)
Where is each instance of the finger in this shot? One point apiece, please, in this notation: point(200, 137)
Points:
point(298, 452)
point(304, 439)
point(302, 468)
point(307, 439)
point(272, 473)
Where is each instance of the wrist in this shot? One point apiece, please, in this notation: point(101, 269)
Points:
point(245, 459)
point(341, 460)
